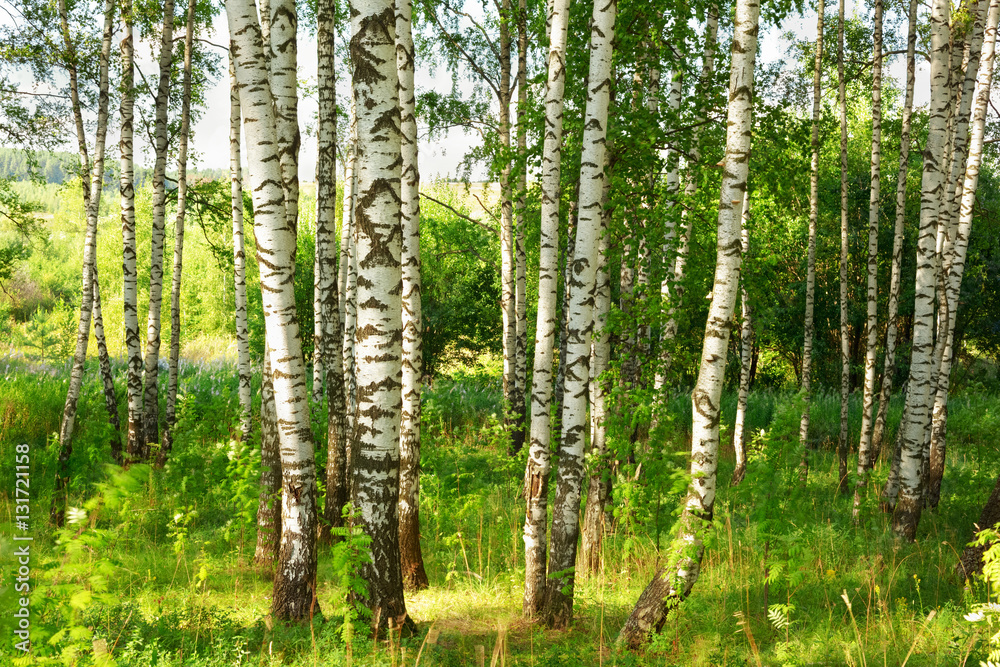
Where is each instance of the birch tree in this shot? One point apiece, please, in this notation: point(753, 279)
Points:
point(330, 359)
point(375, 491)
point(811, 252)
point(845, 353)
point(239, 258)
point(871, 322)
point(967, 196)
point(537, 469)
point(580, 320)
point(598, 482)
point(349, 270)
point(746, 355)
point(130, 298)
point(104, 360)
point(954, 255)
point(175, 286)
point(673, 582)
point(151, 406)
point(908, 508)
point(508, 268)
point(892, 315)
point(270, 486)
point(283, 43)
point(294, 581)
point(520, 258)
point(412, 563)
point(68, 422)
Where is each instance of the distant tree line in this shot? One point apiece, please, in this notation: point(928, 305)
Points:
point(56, 166)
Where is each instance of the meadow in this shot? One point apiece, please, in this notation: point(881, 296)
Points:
point(157, 569)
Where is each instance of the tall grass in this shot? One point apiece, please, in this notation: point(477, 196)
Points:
point(189, 595)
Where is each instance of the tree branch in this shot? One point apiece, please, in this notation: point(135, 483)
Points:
point(455, 45)
point(28, 92)
point(480, 223)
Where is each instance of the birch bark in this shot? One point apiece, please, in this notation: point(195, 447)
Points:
point(379, 327)
point(892, 316)
point(599, 483)
point(294, 584)
point(811, 251)
point(508, 268)
point(845, 354)
point(908, 509)
point(871, 322)
point(412, 560)
point(130, 299)
point(746, 354)
point(967, 193)
point(349, 274)
point(580, 320)
point(537, 472)
point(284, 88)
point(269, 498)
point(110, 398)
point(329, 342)
point(674, 582)
point(59, 496)
point(151, 406)
point(239, 258)
point(520, 210)
point(175, 286)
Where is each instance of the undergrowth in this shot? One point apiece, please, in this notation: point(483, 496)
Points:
point(156, 570)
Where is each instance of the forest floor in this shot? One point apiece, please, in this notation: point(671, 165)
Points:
point(157, 569)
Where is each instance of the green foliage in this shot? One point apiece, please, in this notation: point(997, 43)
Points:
point(80, 571)
point(350, 552)
point(988, 613)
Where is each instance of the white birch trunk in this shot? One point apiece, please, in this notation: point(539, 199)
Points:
point(411, 558)
point(580, 321)
point(329, 342)
point(239, 258)
point(508, 261)
point(892, 323)
point(599, 482)
point(807, 346)
point(349, 273)
point(967, 192)
point(669, 241)
point(871, 322)
point(845, 355)
point(293, 595)
point(537, 469)
point(151, 407)
point(520, 258)
point(674, 582)
point(953, 254)
point(746, 354)
point(59, 496)
point(379, 328)
point(284, 88)
point(130, 298)
point(175, 285)
point(110, 397)
point(914, 428)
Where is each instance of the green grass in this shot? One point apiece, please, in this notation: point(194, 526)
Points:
point(185, 593)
